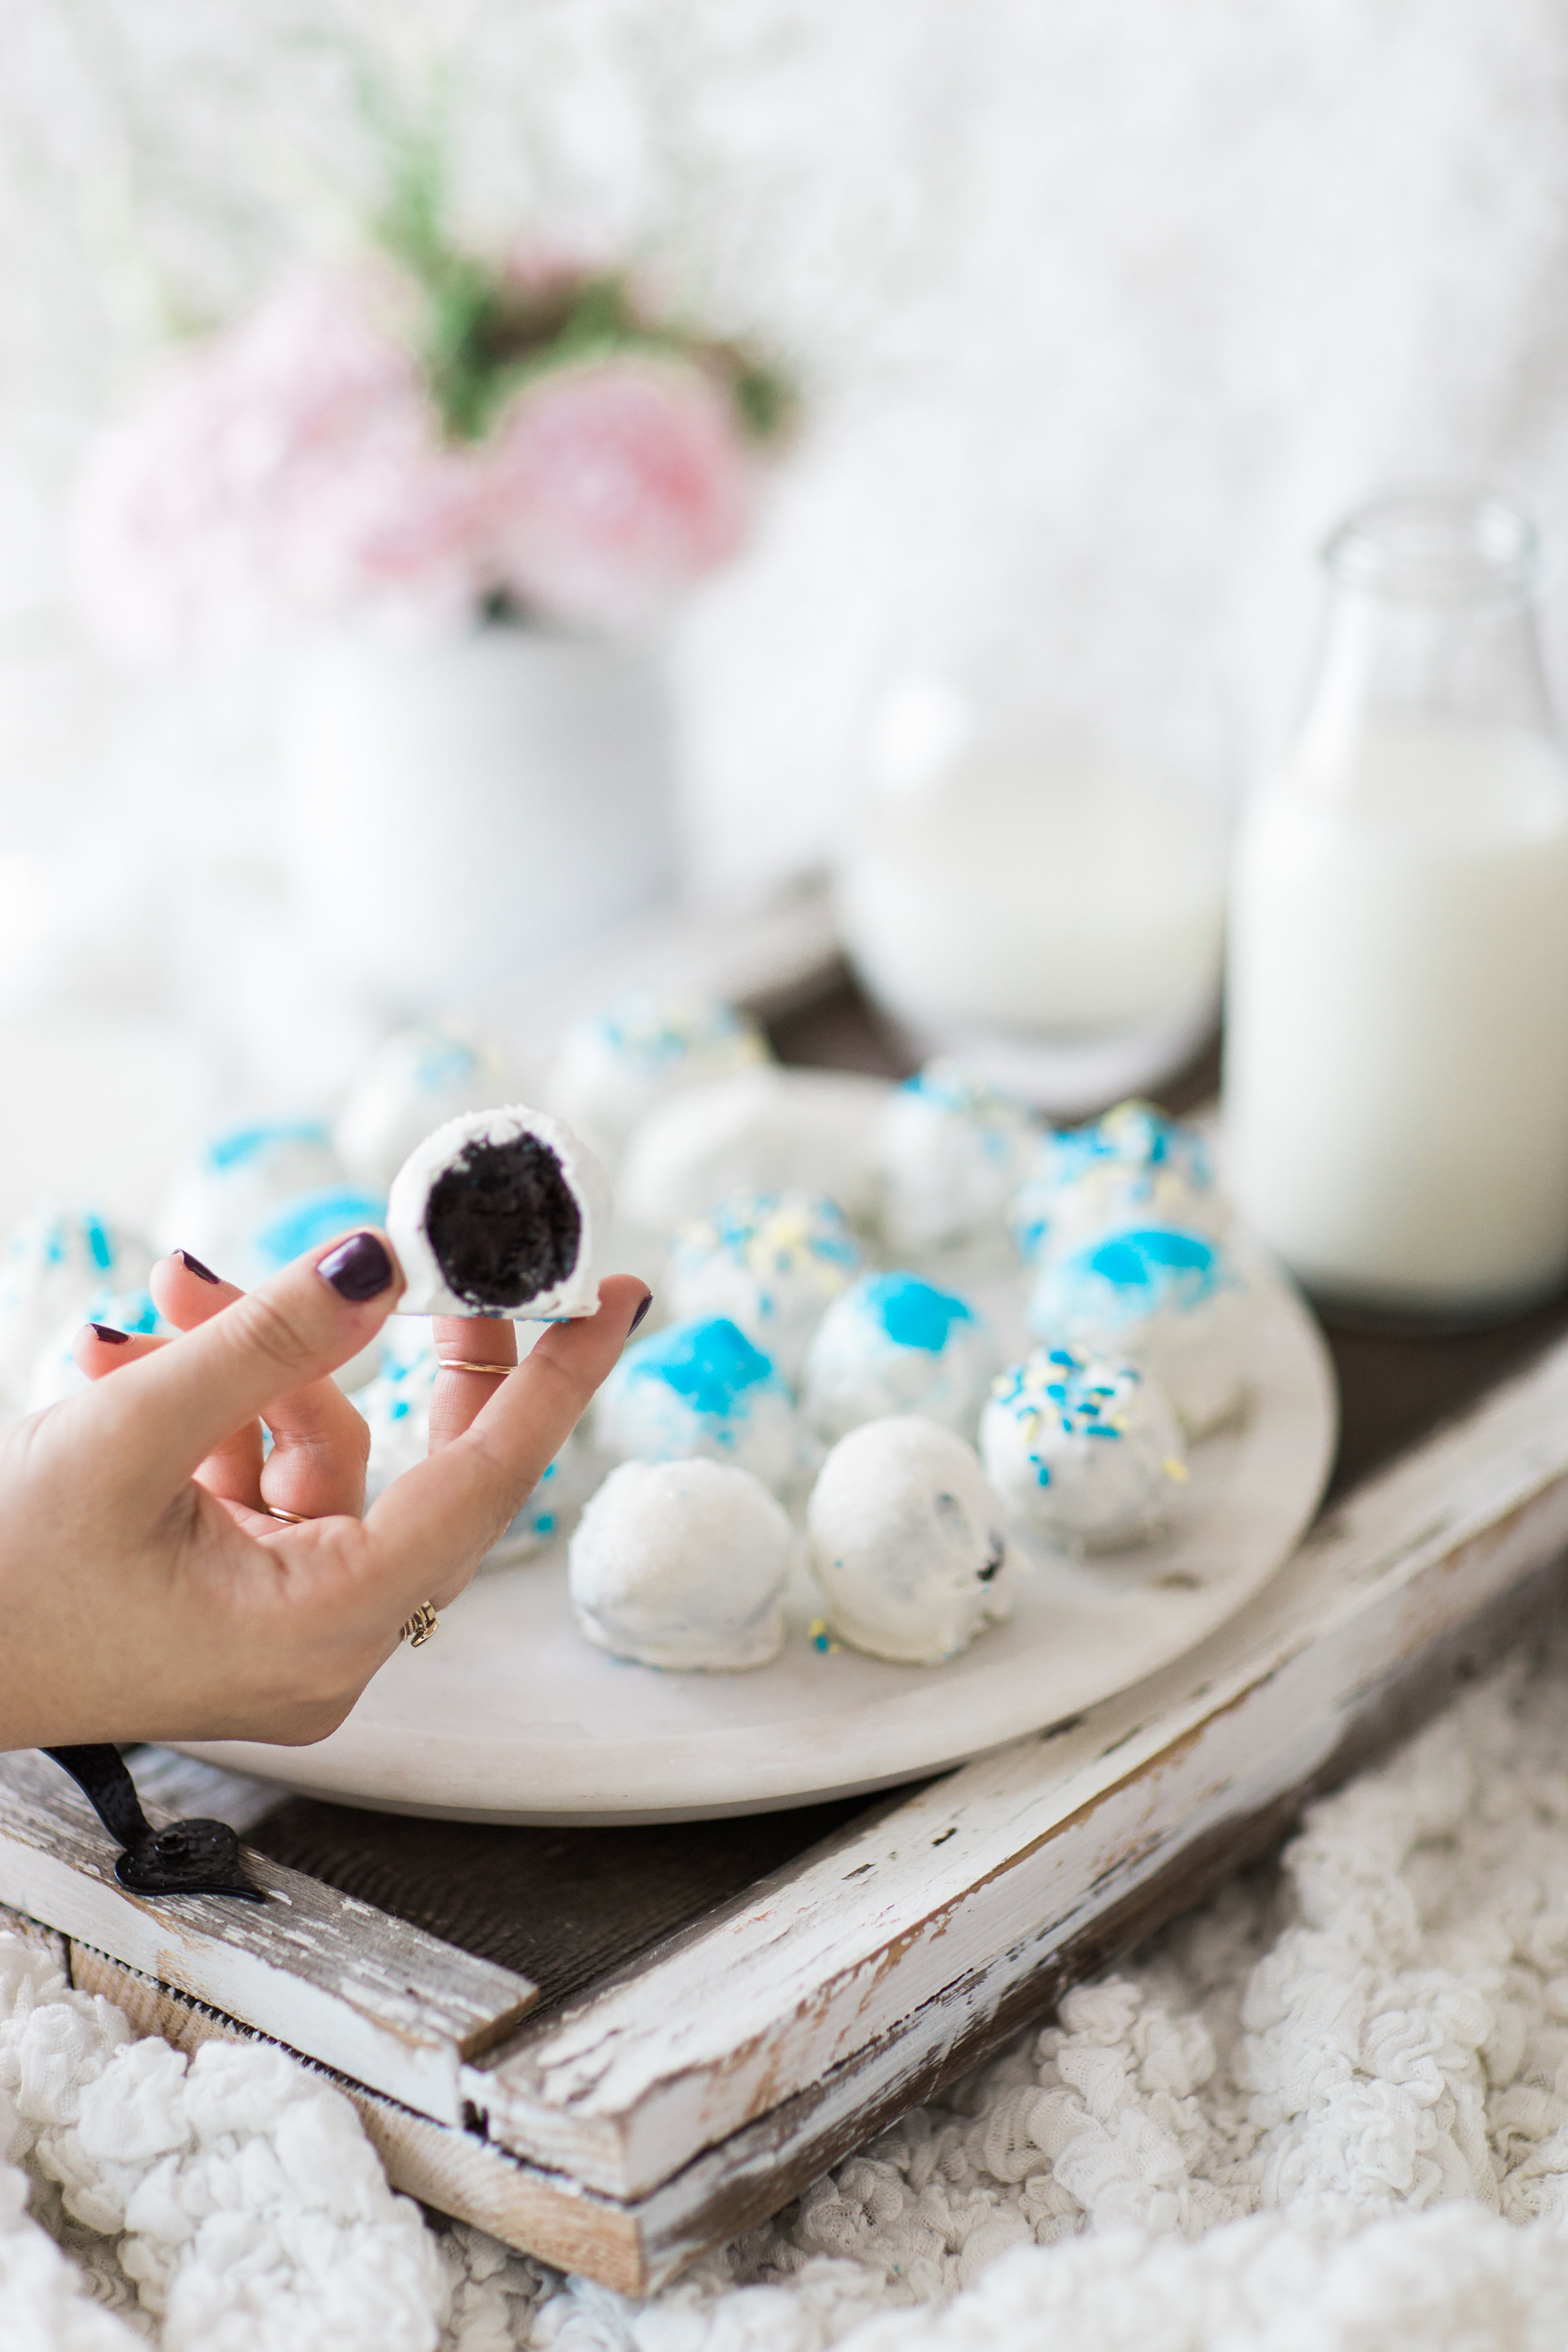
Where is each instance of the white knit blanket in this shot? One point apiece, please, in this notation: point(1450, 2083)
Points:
point(1328, 2111)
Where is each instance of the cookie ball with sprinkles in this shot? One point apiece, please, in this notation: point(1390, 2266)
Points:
point(908, 1542)
point(53, 1263)
point(56, 1373)
point(951, 1151)
point(683, 1565)
point(700, 1390)
point(895, 1343)
point(773, 1262)
point(1133, 1167)
point(499, 1212)
point(235, 1182)
point(641, 1048)
point(1172, 1301)
point(1084, 1451)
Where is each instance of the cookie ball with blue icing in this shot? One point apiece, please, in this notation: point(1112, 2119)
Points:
point(229, 1189)
point(56, 1373)
point(895, 1344)
point(415, 1082)
point(1083, 1450)
point(397, 1405)
point(55, 1263)
point(908, 1541)
point(1133, 1167)
point(682, 1565)
point(1172, 1301)
point(951, 1152)
point(700, 1389)
point(644, 1045)
point(773, 1262)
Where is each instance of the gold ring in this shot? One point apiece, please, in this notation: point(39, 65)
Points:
point(463, 1364)
point(420, 1626)
point(290, 1518)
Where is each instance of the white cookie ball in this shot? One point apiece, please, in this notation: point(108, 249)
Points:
point(682, 1564)
point(908, 1541)
point(645, 1046)
point(1083, 1450)
point(1172, 1301)
point(231, 1186)
point(766, 1130)
point(895, 1344)
point(773, 1262)
point(951, 1151)
point(1133, 1167)
point(56, 1373)
point(415, 1082)
point(55, 1263)
point(696, 1389)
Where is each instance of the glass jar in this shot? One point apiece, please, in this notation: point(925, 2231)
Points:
point(1396, 1099)
point(1044, 900)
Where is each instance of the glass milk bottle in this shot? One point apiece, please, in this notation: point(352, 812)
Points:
point(1396, 1058)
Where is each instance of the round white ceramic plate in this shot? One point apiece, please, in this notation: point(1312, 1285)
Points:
point(510, 1715)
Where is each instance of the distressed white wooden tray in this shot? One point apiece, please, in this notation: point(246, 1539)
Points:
point(510, 1715)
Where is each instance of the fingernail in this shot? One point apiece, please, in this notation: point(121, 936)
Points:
point(106, 1332)
point(358, 1270)
point(194, 1265)
point(641, 1312)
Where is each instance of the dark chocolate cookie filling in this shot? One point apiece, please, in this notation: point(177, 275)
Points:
point(503, 1223)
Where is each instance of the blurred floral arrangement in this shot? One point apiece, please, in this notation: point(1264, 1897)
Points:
point(424, 437)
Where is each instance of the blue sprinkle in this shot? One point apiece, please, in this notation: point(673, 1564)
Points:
point(398, 1409)
point(99, 1244)
point(545, 1523)
point(243, 1143)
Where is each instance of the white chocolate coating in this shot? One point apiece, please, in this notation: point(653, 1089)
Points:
point(951, 1152)
point(908, 1541)
point(895, 1344)
point(1172, 1301)
point(700, 1388)
point(644, 1046)
point(768, 1131)
point(229, 1190)
point(427, 1292)
point(1083, 1450)
point(773, 1262)
point(53, 1263)
point(413, 1083)
point(682, 1565)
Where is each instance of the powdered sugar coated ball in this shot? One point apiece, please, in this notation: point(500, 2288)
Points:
point(951, 1151)
point(895, 1344)
point(1083, 1450)
point(700, 1389)
point(682, 1564)
point(773, 1262)
point(908, 1541)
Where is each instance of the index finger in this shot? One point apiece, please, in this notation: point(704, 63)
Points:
point(433, 1525)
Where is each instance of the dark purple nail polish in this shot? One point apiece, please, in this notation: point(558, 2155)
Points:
point(358, 1270)
point(194, 1265)
point(641, 1312)
point(107, 1331)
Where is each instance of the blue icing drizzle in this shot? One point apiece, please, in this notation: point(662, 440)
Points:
point(313, 1217)
point(245, 1143)
point(710, 1363)
point(914, 1314)
point(1139, 1259)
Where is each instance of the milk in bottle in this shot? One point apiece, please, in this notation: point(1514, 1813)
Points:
point(1396, 1061)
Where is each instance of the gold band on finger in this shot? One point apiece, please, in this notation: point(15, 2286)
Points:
point(290, 1518)
point(418, 1627)
point(465, 1364)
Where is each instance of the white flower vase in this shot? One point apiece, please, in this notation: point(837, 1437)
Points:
point(468, 815)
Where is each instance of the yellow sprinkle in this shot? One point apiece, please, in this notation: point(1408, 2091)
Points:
point(1174, 1469)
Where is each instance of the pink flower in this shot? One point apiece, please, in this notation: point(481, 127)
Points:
point(293, 462)
point(611, 484)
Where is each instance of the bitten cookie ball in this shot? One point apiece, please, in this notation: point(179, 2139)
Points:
point(895, 1344)
point(1084, 1451)
point(682, 1564)
point(700, 1387)
point(773, 1262)
point(908, 1541)
point(499, 1212)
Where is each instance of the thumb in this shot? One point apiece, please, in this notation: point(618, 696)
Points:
point(180, 1403)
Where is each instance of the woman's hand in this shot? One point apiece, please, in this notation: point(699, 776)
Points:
point(145, 1591)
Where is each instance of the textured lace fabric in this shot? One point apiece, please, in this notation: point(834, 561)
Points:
point(1327, 2112)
